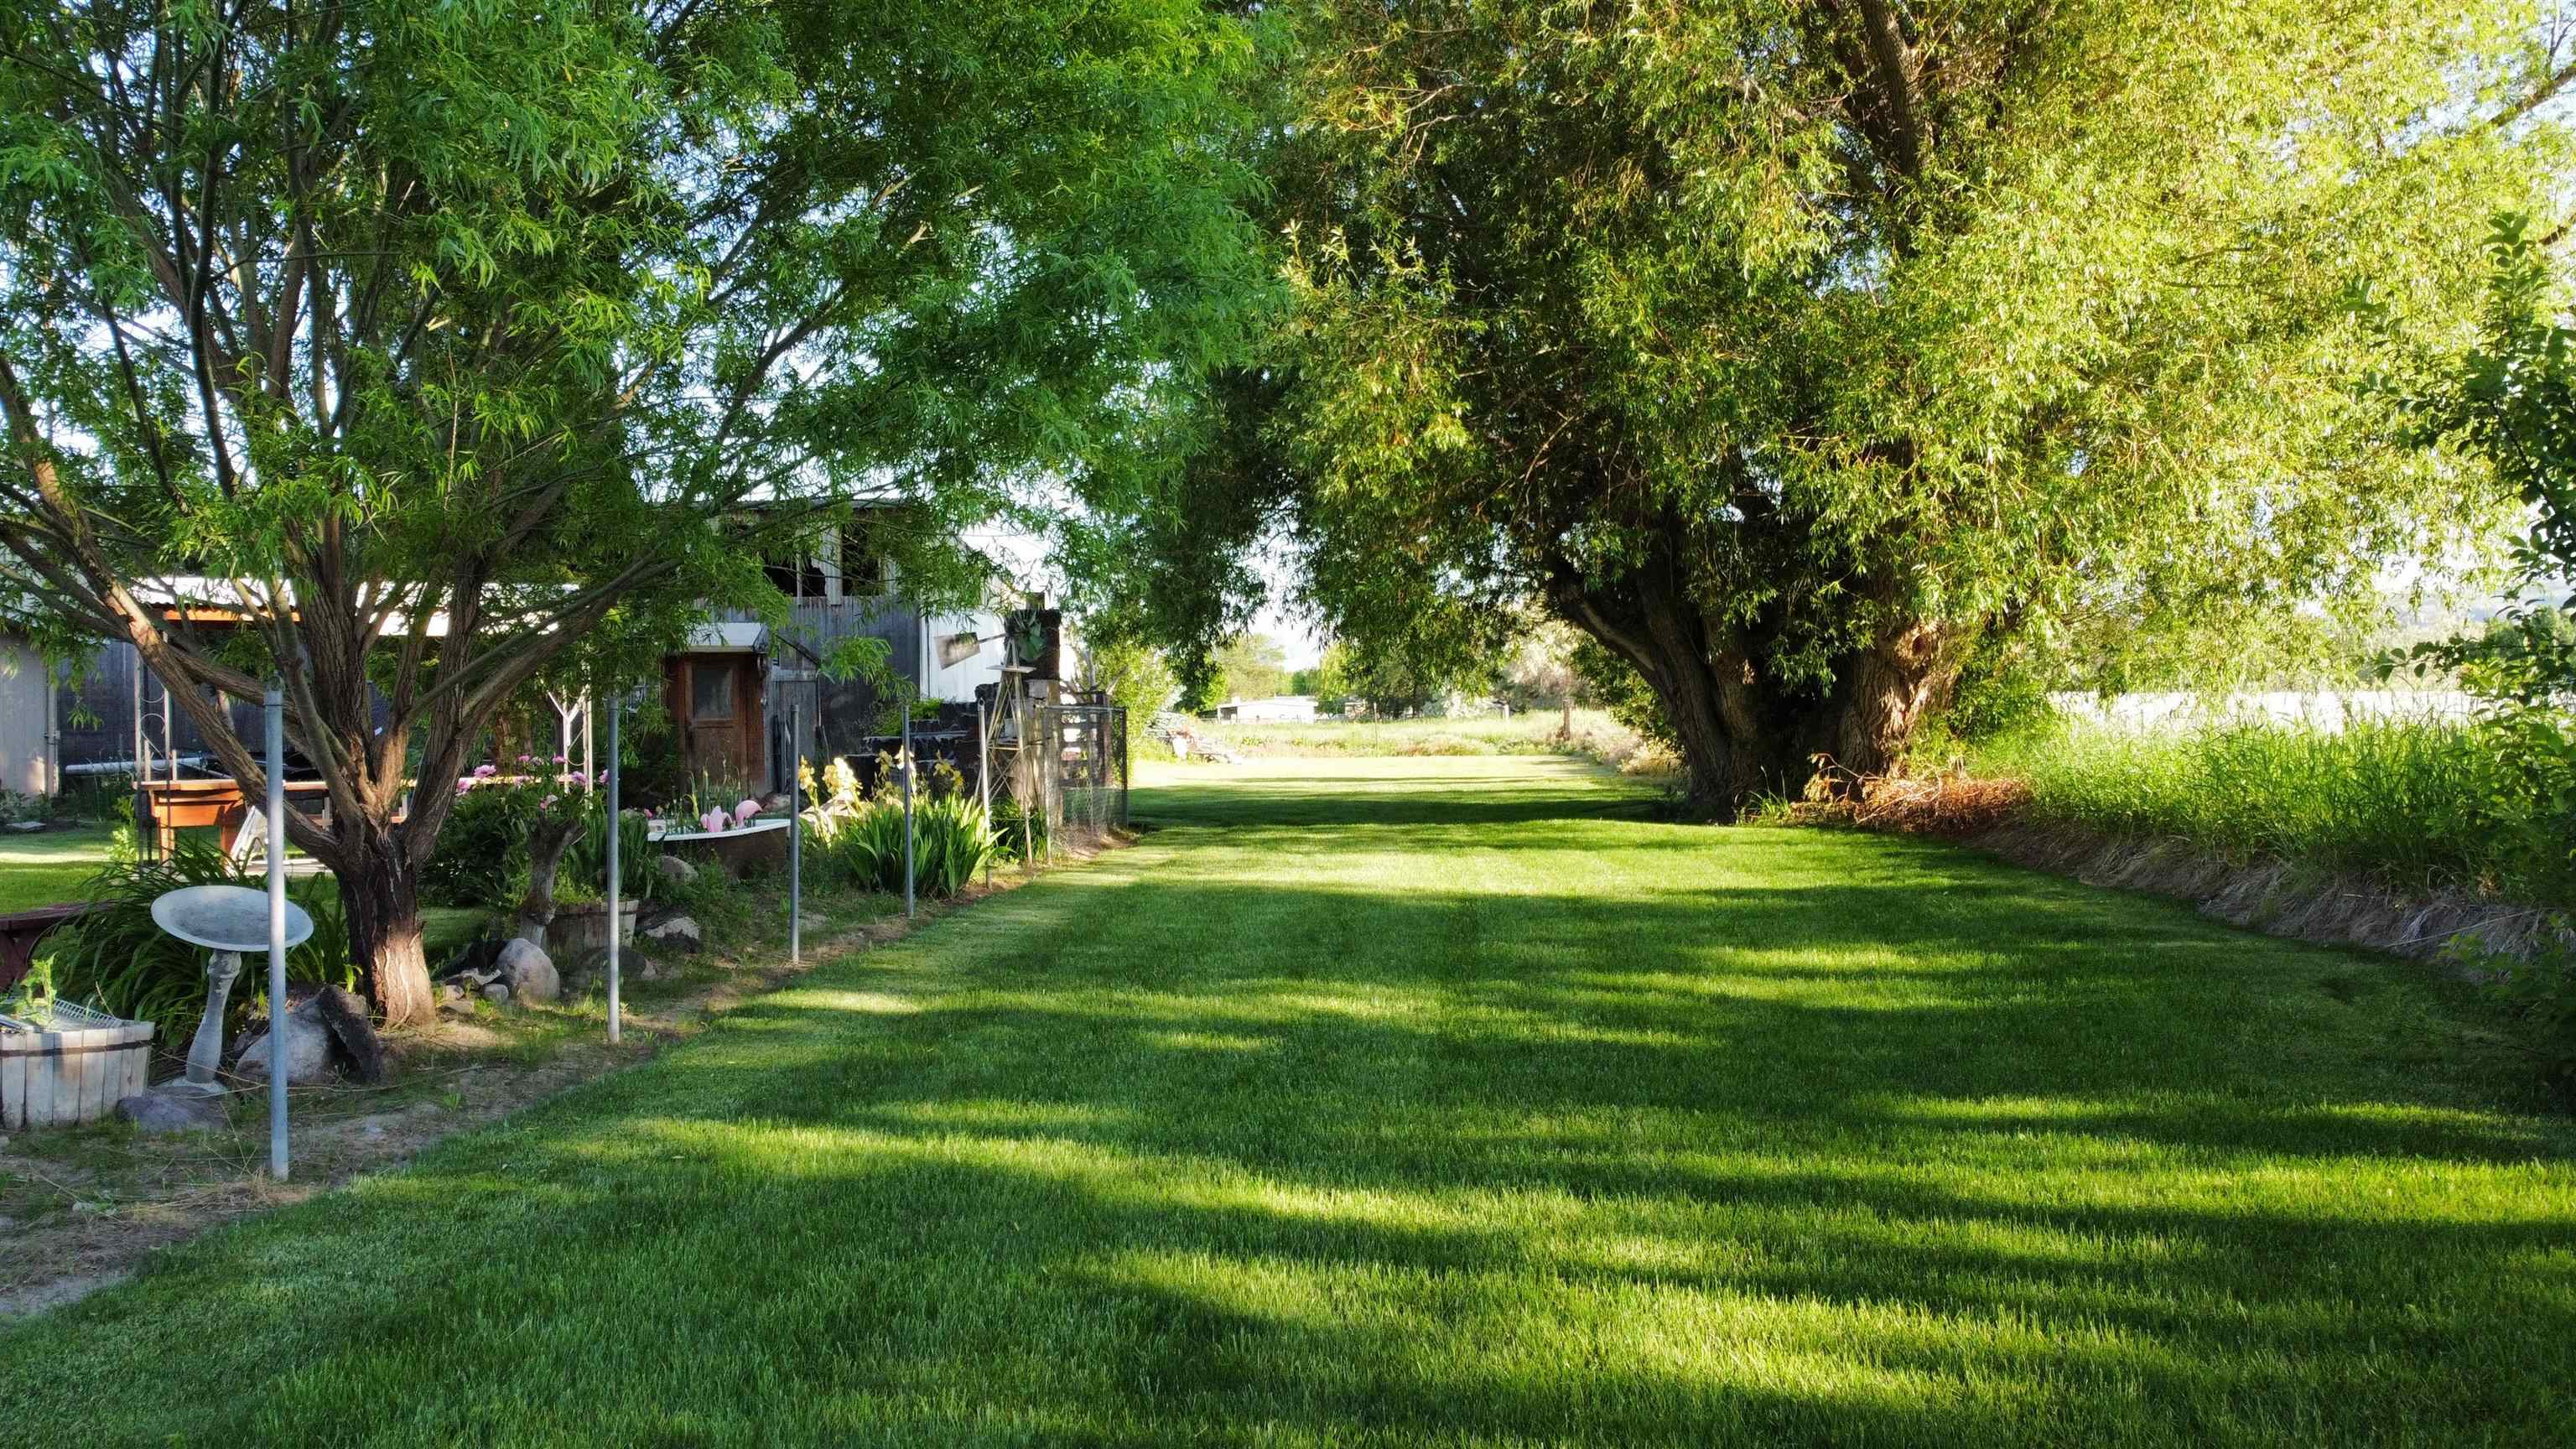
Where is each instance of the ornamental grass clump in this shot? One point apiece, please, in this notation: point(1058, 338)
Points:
point(118, 959)
point(861, 836)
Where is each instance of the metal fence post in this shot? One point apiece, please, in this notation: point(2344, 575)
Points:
point(275, 708)
point(984, 776)
point(907, 808)
point(616, 707)
point(796, 833)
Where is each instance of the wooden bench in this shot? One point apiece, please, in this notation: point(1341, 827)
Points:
point(176, 805)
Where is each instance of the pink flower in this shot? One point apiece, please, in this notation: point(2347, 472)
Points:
point(559, 759)
point(486, 772)
point(527, 759)
point(464, 785)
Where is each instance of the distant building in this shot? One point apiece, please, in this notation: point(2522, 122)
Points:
point(1279, 709)
point(30, 739)
point(722, 691)
point(732, 712)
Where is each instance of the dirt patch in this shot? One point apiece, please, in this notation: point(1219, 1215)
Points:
point(84, 1208)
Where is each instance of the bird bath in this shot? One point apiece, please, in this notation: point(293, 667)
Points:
point(226, 920)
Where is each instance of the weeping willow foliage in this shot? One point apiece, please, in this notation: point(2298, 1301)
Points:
point(1789, 350)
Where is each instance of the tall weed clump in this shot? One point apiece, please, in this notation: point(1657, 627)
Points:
point(2417, 804)
point(2511, 401)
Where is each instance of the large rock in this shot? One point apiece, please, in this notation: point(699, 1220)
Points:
point(171, 1112)
point(676, 871)
point(353, 1031)
point(679, 933)
point(529, 972)
point(308, 1048)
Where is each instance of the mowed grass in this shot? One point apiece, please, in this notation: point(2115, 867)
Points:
point(1441, 1102)
point(1531, 732)
point(47, 867)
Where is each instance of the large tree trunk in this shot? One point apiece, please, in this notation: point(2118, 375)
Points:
point(1721, 769)
point(1882, 695)
point(1739, 741)
point(1741, 737)
point(1705, 691)
point(382, 899)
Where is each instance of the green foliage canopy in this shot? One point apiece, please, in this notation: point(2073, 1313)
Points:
point(2512, 401)
point(1787, 350)
point(409, 352)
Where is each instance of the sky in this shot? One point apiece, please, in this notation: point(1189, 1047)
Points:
point(1298, 635)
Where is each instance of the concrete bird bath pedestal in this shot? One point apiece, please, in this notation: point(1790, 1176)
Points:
point(226, 920)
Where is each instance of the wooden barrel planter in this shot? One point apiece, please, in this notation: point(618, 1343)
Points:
point(74, 1068)
point(585, 927)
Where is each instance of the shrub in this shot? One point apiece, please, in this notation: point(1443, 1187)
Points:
point(951, 843)
point(119, 960)
point(860, 838)
point(1018, 835)
point(481, 858)
point(2000, 693)
point(584, 875)
point(869, 846)
point(107, 798)
point(954, 842)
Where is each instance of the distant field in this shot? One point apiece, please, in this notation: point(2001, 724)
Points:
point(2326, 710)
point(1521, 734)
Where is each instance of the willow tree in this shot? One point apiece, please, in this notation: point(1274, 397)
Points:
point(1786, 348)
point(403, 352)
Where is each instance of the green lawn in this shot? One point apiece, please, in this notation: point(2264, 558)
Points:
point(49, 866)
point(1531, 732)
point(1441, 1101)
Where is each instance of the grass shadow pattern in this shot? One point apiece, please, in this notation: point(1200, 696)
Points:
point(1378, 1102)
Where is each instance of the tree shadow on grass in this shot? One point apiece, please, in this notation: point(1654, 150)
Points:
point(1910, 1151)
point(1809, 1002)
